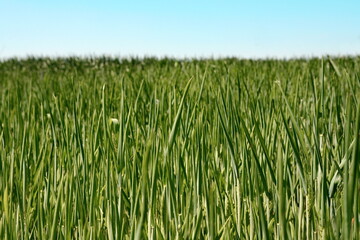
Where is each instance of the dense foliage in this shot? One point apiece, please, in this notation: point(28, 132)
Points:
point(179, 149)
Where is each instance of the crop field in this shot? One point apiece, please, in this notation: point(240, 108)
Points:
point(101, 148)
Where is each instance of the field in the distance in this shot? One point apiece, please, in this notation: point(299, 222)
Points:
point(165, 149)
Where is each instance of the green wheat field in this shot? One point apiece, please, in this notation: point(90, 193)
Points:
point(106, 148)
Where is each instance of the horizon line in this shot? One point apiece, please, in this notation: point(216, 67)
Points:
point(173, 57)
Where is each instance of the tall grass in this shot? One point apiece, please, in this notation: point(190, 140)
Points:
point(167, 149)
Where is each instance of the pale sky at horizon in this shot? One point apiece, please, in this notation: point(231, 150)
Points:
point(246, 29)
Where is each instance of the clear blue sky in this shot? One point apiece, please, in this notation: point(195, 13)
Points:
point(179, 28)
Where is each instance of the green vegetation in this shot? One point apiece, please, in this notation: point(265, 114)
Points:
point(166, 149)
